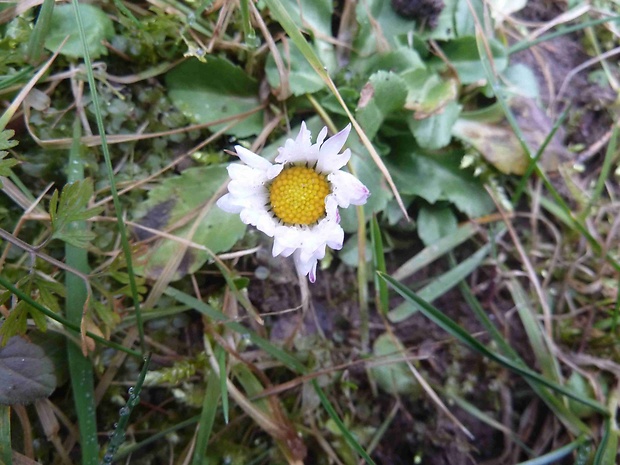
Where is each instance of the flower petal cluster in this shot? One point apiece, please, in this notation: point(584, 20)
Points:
point(249, 195)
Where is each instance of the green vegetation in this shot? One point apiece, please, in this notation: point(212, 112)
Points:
point(472, 314)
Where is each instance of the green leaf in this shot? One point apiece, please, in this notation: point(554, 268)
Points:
point(462, 53)
point(174, 201)
point(384, 94)
point(521, 80)
point(301, 77)
point(435, 132)
point(435, 222)
point(208, 92)
point(379, 27)
point(26, 373)
point(6, 143)
point(315, 15)
point(71, 206)
point(400, 60)
point(437, 177)
point(97, 24)
point(393, 377)
point(427, 92)
point(464, 23)
point(6, 139)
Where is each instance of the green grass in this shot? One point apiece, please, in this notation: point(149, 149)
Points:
point(463, 299)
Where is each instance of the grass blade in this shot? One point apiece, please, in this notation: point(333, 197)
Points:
point(378, 258)
point(451, 327)
point(41, 28)
point(80, 368)
point(108, 164)
point(209, 409)
point(125, 412)
point(441, 284)
point(6, 452)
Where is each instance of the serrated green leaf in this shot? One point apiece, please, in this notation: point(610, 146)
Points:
point(384, 93)
point(217, 89)
point(77, 238)
point(97, 24)
point(174, 200)
point(6, 139)
point(26, 373)
point(437, 177)
point(435, 132)
point(70, 207)
point(49, 291)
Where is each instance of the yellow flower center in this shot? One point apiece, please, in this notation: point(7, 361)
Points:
point(297, 195)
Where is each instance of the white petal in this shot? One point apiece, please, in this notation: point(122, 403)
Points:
point(274, 170)
point(259, 218)
point(299, 150)
point(290, 236)
point(348, 189)
point(306, 267)
point(281, 249)
point(266, 223)
point(304, 136)
point(336, 142)
point(321, 137)
point(227, 204)
point(251, 159)
point(245, 189)
point(329, 162)
point(246, 175)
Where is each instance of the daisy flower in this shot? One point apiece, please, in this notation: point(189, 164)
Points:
point(295, 200)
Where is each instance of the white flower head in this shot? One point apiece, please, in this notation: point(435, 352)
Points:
point(296, 199)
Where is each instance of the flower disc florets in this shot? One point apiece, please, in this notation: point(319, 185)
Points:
point(296, 200)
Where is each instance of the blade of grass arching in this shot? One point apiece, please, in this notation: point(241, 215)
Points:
point(558, 407)
point(558, 454)
point(279, 13)
point(378, 259)
point(440, 284)
point(519, 46)
point(6, 450)
point(110, 171)
point(535, 334)
point(207, 416)
point(80, 368)
point(40, 31)
point(452, 328)
point(532, 165)
point(608, 448)
point(433, 252)
point(118, 437)
point(348, 436)
point(63, 321)
point(610, 157)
